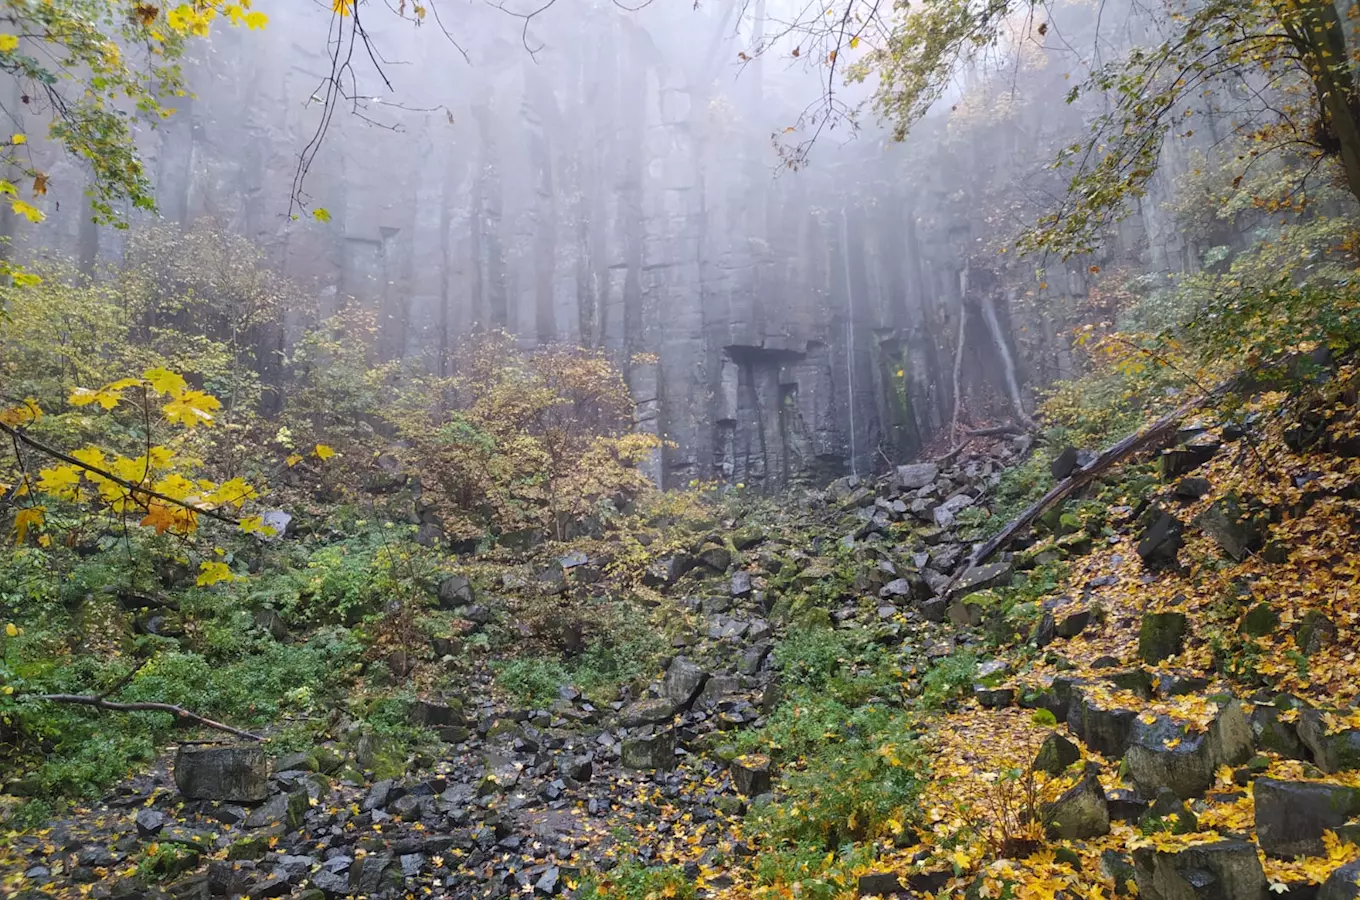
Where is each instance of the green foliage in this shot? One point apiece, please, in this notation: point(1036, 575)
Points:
point(632, 880)
point(949, 679)
point(817, 874)
point(849, 768)
point(1267, 321)
point(532, 682)
point(164, 861)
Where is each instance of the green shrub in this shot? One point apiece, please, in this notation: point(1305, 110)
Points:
point(809, 872)
point(861, 780)
point(949, 679)
point(632, 880)
point(532, 682)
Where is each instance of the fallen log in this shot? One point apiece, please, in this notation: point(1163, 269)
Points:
point(1155, 434)
point(180, 713)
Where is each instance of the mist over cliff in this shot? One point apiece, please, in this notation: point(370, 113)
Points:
point(619, 179)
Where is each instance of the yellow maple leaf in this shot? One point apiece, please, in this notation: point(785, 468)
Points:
point(235, 13)
point(176, 486)
point(60, 481)
point(165, 381)
point(212, 572)
point(234, 492)
point(8, 42)
point(256, 21)
point(324, 452)
point(192, 408)
point(27, 210)
point(293, 459)
point(18, 139)
point(255, 525)
point(27, 412)
point(90, 456)
point(107, 397)
point(12, 630)
point(161, 517)
point(341, 7)
point(24, 519)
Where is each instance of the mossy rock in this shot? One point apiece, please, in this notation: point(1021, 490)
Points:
point(251, 847)
point(1259, 621)
point(504, 728)
point(813, 617)
point(748, 537)
point(380, 756)
point(1162, 635)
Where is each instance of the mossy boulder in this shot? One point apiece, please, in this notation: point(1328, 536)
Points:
point(1161, 635)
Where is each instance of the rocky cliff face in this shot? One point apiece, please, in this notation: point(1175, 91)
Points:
point(618, 189)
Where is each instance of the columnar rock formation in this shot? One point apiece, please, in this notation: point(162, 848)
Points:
point(617, 188)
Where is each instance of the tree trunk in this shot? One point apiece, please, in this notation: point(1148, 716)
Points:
point(1317, 32)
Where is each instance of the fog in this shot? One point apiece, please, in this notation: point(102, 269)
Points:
point(620, 179)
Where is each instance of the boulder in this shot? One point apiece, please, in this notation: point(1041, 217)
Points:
point(748, 537)
point(684, 679)
point(965, 615)
point(1272, 733)
point(878, 884)
point(752, 658)
point(715, 556)
point(669, 570)
point(375, 875)
point(1168, 812)
point(1055, 755)
point(1166, 754)
point(654, 751)
point(1185, 459)
point(1106, 731)
point(716, 689)
point(1192, 488)
point(980, 578)
point(1161, 635)
point(1291, 816)
point(455, 591)
point(1259, 621)
point(149, 822)
point(269, 621)
point(741, 584)
point(751, 774)
point(1081, 812)
point(993, 697)
point(1333, 751)
point(1314, 632)
point(1072, 624)
point(1224, 870)
point(1237, 530)
point(1342, 884)
point(281, 809)
point(651, 711)
point(945, 513)
point(1161, 541)
point(1064, 464)
point(916, 475)
point(434, 714)
point(238, 773)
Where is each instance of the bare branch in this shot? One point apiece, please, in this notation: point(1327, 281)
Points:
point(180, 713)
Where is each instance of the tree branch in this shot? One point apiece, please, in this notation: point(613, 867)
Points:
point(1156, 433)
point(132, 487)
point(179, 712)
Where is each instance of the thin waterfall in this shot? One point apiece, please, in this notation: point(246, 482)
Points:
point(849, 334)
point(1008, 364)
